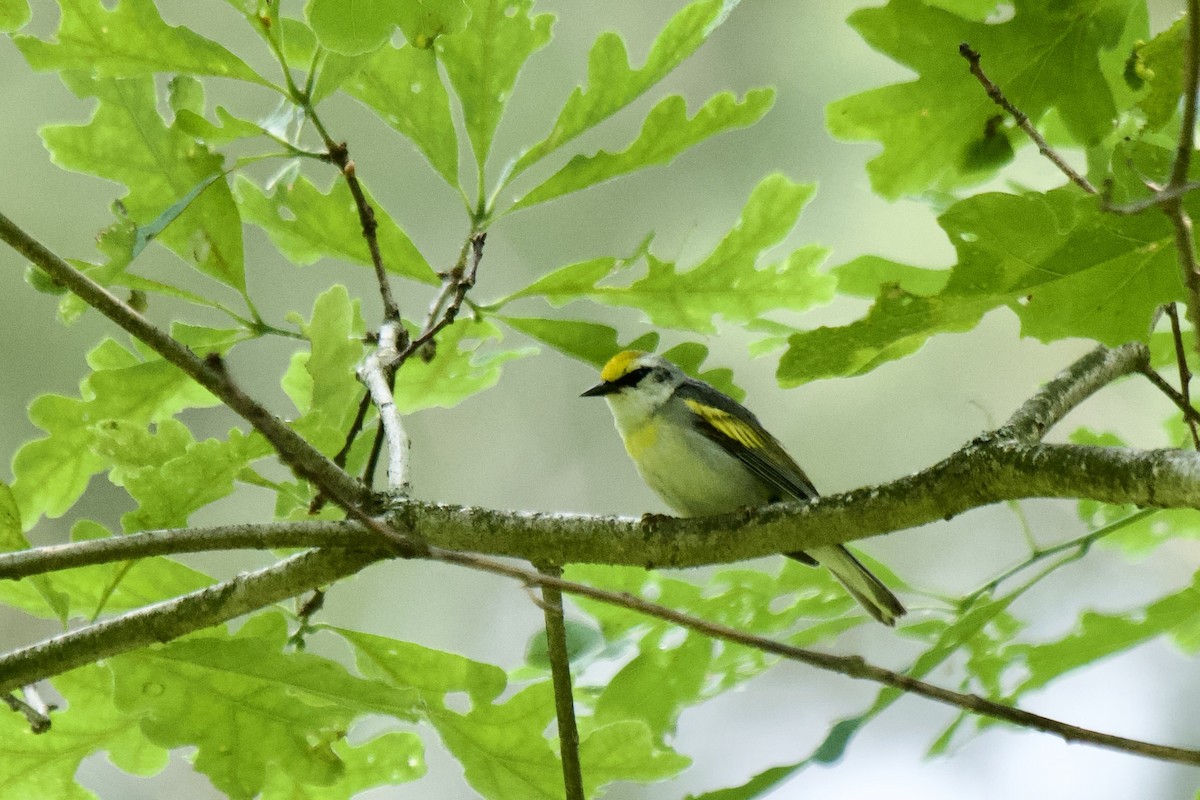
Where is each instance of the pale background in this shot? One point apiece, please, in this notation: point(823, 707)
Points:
point(529, 443)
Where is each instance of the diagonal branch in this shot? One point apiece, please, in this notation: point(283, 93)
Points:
point(997, 96)
point(309, 463)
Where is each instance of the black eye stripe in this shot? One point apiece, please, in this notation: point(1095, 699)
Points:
point(632, 378)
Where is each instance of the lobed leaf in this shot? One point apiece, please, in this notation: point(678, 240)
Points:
point(403, 86)
point(483, 60)
point(666, 132)
point(285, 711)
point(127, 141)
point(129, 40)
point(52, 472)
point(1045, 57)
point(360, 27)
point(307, 224)
point(45, 766)
point(462, 366)
point(1065, 267)
point(612, 84)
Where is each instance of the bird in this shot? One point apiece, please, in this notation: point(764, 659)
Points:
point(704, 453)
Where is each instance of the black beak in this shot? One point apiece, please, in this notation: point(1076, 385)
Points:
point(601, 389)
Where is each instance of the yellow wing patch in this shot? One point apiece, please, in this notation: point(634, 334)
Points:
point(727, 424)
point(619, 365)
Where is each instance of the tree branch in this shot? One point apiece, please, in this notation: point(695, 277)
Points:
point(560, 675)
point(305, 460)
point(376, 373)
point(170, 619)
point(997, 96)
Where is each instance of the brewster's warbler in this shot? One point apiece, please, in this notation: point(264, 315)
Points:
point(704, 453)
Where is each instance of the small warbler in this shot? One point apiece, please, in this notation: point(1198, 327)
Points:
point(704, 453)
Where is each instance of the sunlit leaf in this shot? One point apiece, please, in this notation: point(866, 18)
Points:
point(666, 132)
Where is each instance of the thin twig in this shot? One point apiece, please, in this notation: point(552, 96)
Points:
point(375, 374)
point(1185, 374)
point(1156, 200)
point(560, 675)
point(1189, 413)
point(39, 720)
point(997, 96)
point(850, 666)
point(1181, 221)
point(456, 284)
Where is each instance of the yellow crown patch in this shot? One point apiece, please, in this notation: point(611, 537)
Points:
point(619, 365)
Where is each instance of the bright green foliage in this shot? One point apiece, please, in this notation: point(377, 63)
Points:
point(726, 283)
point(1065, 267)
point(463, 367)
point(307, 224)
point(1048, 56)
point(206, 690)
point(130, 40)
point(404, 88)
point(52, 472)
point(612, 84)
point(264, 718)
point(667, 132)
point(128, 142)
point(356, 28)
point(14, 15)
point(483, 61)
point(44, 766)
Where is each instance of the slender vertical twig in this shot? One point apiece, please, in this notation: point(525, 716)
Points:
point(375, 373)
point(1185, 374)
point(560, 675)
point(1181, 221)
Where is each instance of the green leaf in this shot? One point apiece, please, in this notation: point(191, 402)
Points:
point(360, 27)
point(503, 749)
point(45, 766)
point(52, 472)
point(284, 711)
point(612, 84)
point(193, 476)
point(866, 275)
point(1066, 268)
point(307, 224)
point(587, 341)
point(127, 141)
point(85, 591)
point(626, 751)
point(464, 365)
point(1159, 63)
point(322, 382)
point(727, 283)
point(14, 15)
point(1044, 57)
point(483, 61)
point(230, 129)
point(386, 760)
point(433, 673)
point(666, 132)
point(11, 535)
point(657, 685)
point(1098, 636)
point(403, 86)
point(130, 40)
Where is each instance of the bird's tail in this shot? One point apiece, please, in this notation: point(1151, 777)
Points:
point(864, 587)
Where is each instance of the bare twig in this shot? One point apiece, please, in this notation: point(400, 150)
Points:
point(560, 674)
point(994, 92)
point(1189, 413)
point(376, 372)
point(1185, 376)
point(455, 285)
point(38, 719)
point(1185, 245)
